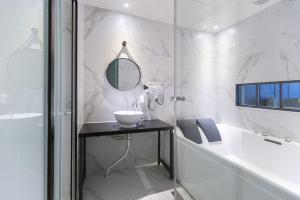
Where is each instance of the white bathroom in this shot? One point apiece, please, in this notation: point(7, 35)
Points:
point(150, 100)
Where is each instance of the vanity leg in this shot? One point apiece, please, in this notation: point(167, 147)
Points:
point(84, 158)
point(82, 165)
point(158, 149)
point(171, 154)
point(80, 168)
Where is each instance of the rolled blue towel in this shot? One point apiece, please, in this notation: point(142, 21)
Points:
point(210, 129)
point(190, 130)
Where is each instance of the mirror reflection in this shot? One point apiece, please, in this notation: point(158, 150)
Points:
point(123, 74)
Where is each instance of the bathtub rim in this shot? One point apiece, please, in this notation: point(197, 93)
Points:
point(228, 164)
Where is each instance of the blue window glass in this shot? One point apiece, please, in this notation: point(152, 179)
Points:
point(291, 95)
point(269, 95)
point(248, 95)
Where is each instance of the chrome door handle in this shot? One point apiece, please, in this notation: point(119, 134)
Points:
point(178, 98)
point(67, 113)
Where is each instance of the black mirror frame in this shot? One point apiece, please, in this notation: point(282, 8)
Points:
point(136, 65)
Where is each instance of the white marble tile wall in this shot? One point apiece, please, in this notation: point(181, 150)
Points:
point(195, 74)
point(151, 45)
point(80, 65)
point(264, 47)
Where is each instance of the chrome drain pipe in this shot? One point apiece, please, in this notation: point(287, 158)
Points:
point(121, 158)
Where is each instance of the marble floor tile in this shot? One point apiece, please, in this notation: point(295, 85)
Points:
point(183, 194)
point(166, 195)
point(140, 183)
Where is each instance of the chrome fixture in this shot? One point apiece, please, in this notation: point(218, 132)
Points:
point(178, 98)
point(273, 141)
point(288, 139)
point(154, 99)
point(135, 105)
point(120, 137)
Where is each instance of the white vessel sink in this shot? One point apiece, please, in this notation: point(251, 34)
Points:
point(128, 119)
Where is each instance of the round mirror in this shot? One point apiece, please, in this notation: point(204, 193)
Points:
point(123, 74)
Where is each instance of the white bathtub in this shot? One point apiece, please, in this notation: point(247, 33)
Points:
point(243, 167)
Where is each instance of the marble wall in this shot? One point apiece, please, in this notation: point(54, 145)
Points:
point(264, 47)
point(80, 65)
point(151, 45)
point(195, 73)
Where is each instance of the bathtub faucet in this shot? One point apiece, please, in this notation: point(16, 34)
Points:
point(288, 139)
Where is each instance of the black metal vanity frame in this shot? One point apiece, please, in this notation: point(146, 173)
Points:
point(114, 128)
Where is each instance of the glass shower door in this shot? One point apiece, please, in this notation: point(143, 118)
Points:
point(23, 67)
point(229, 51)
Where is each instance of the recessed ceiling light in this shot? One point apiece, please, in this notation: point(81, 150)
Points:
point(204, 27)
point(216, 27)
point(126, 5)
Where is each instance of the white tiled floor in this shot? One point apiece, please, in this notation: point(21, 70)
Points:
point(166, 195)
point(141, 183)
point(183, 195)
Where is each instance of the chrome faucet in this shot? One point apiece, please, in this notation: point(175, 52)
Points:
point(288, 139)
point(135, 105)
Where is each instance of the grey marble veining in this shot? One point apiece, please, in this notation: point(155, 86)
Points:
point(151, 45)
point(92, 18)
point(268, 56)
point(248, 64)
point(262, 48)
point(148, 55)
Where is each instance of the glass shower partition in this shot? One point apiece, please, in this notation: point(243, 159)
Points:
point(64, 77)
point(220, 45)
point(36, 89)
point(23, 87)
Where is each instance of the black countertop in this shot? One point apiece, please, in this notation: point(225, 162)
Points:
point(114, 128)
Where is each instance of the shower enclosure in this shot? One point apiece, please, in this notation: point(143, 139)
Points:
point(35, 99)
point(231, 49)
point(23, 104)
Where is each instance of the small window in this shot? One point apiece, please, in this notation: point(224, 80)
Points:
point(247, 95)
point(269, 95)
point(279, 95)
point(291, 95)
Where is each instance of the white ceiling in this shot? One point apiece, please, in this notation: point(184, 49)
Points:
point(158, 10)
point(194, 14)
point(222, 13)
